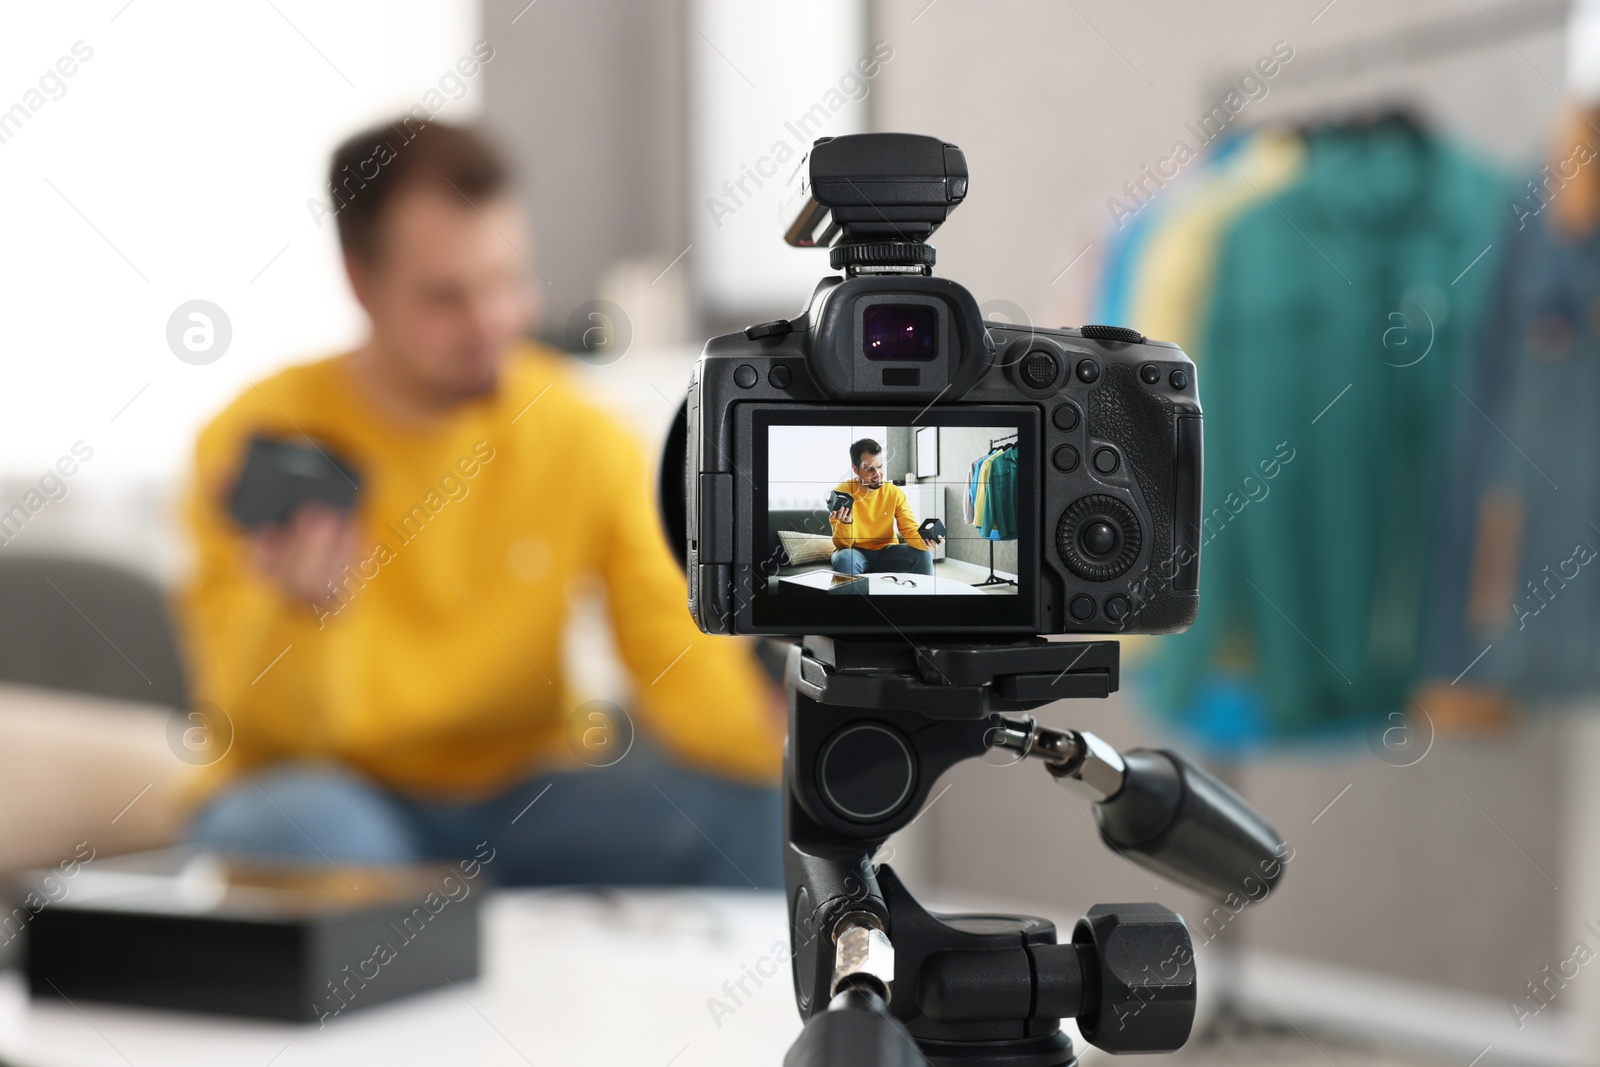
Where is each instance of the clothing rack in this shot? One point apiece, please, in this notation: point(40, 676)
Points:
point(995, 579)
point(1337, 82)
point(1318, 81)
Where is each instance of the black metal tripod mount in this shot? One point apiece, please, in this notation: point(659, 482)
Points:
point(880, 980)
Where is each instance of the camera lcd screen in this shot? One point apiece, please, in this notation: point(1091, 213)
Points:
point(827, 565)
point(899, 332)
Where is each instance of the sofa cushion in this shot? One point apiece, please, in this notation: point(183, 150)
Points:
point(802, 549)
point(812, 521)
point(84, 769)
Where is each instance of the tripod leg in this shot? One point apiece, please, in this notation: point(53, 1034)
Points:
point(856, 1030)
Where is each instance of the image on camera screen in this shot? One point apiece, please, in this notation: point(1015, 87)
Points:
point(891, 511)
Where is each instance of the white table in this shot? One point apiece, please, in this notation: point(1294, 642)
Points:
point(883, 583)
point(568, 978)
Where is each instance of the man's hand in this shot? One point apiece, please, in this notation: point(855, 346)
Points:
point(308, 555)
point(934, 540)
point(841, 514)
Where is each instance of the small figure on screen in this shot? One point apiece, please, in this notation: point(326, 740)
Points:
point(867, 512)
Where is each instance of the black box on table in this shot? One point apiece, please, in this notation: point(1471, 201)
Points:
point(197, 932)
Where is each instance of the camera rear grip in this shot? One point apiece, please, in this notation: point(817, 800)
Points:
point(1163, 449)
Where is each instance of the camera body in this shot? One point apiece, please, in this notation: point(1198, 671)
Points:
point(925, 496)
point(1074, 453)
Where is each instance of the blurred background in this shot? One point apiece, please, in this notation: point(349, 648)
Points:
point(1395, 199)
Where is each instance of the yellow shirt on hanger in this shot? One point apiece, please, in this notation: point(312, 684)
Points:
point(1172, 286)
point(980, 502)
point(1172, 283)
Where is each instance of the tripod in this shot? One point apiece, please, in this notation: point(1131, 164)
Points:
point(882, 981)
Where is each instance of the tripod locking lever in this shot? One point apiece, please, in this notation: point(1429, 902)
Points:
point(1082, 761)
point(1160, 810)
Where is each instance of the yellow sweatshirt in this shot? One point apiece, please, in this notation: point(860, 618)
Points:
point(438, 670)
point(874, 517)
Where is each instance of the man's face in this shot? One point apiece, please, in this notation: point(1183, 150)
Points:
point(449, 290)
point(870, 470)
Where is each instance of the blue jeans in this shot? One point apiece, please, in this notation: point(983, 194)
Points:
point(902, 558)
point(655, 825)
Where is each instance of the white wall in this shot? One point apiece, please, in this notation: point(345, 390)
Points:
point(177, 165)
point(805, 462)
point(1056, 105)
point(755, 71)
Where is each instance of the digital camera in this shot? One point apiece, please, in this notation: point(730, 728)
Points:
point(1064, 464)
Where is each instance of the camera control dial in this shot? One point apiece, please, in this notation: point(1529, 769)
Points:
point(1098, 537)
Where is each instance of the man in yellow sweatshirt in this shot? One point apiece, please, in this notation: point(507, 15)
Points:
point(390, 679)
point(864, 529)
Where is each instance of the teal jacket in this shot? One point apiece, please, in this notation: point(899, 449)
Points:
point(1000, 512)
point(1342, 314)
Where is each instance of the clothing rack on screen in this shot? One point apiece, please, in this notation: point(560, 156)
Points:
point(1005, 441)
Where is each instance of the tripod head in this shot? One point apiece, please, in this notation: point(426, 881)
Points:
point(879, 979)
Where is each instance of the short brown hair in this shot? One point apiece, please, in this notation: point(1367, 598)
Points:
point(864, 447)
point(369, 168)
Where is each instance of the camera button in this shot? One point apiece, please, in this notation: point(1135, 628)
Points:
point(1088, 371)
point(1106, 460)
point(1039, 369)
point(1117, 607)
point(1082, 607)
point(775, 328)
point(1081, 534)
point(1150, 374)
point(1066, 417)
point(745, 376)
point(780, 377)
point(1179, 380)
point(1100, 538)
point(1113, 333)
point(1065, 458)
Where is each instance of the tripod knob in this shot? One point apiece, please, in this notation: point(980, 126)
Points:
point(856, 1030)
point(1141, 992)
